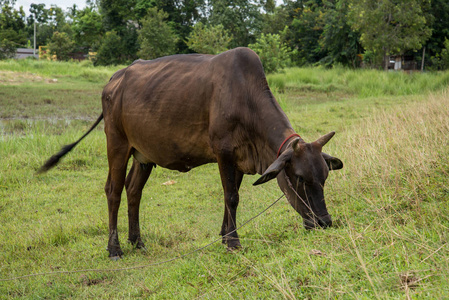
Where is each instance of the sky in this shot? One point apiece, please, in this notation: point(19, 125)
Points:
point(64, 4)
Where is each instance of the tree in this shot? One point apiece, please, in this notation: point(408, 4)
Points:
point(61, 45)
point(182, 15)
point(118, 16)
point(272, 52)
point(242, 18)
point(208, 39)
point(390, 26)
point(12, 29)
point(275, 20)
point(306, 29)
point(110, 51)
point(7, 49)
point(46, 22)
point(87, 28)
point(444, 56)
point(439, 10)
point(339, 41)
point(156, 37)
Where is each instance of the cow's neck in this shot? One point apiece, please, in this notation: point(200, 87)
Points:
point(275, 130)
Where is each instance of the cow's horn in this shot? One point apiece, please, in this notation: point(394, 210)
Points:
point(325, 138)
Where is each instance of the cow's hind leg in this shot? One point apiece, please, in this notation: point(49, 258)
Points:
point(135, 181)
point(118, 156)
point(231, 180)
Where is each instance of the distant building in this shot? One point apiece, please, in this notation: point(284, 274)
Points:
point(402, 62)
point(41, 53)
point(25, 52)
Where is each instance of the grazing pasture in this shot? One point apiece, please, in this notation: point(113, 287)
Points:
point(390, 203)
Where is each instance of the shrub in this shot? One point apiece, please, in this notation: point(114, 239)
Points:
point(156, 37)
point(61, 45)
point(444, 56)
point(208, 39)
point(7, 49)
point(110, 50)
point(273, 53)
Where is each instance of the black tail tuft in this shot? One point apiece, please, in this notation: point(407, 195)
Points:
point(53, 161)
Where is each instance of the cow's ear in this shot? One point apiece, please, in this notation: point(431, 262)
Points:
point(332, 162)
point(275, 168)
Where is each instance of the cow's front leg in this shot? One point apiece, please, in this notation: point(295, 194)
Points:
point(231, 180)
point(135, 181)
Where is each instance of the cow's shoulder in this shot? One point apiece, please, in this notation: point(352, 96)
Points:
point(241, 58)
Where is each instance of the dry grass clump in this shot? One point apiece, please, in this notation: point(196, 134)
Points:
point(400, 148)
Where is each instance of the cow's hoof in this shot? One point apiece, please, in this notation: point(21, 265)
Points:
point(233, 245)
point(140, 245)
point(113, 254)
point(137, 243)
point(114, 258)
point(233, 249)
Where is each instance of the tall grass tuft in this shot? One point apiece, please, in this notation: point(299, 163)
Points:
point(360, 83)
point(58, 69)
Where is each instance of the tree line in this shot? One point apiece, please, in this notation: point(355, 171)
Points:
point(349, 33)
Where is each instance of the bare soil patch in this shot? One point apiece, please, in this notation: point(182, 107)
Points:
point(13, 78)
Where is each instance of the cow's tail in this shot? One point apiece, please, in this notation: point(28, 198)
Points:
point(53, 161)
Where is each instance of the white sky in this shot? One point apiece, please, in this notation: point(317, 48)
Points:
point(64, 4)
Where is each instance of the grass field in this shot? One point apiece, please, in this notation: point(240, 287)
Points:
point(390, 203)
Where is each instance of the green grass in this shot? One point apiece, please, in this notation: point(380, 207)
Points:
point(360, 83)
point(390, 203)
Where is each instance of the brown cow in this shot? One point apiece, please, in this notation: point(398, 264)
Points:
point(183, 111)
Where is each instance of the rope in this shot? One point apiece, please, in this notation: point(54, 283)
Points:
point(285, 141)
point(146, 265)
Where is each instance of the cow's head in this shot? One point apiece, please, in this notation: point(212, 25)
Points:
point(301, 171)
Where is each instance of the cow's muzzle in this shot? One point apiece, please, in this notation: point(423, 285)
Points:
point(321, 221)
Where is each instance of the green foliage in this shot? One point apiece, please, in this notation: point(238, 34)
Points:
point(276, 20)
point(61, 45)
point(273, 53)
point(445, 55)
point(12, 30)
point(182, 15)
point(390, 27)
point(326, 32)
point(306, 29)
point(208, 39)
point(156, 37)
point(116, 14)
point(87, 28)
point(38, 13)
point(110, 51)
point(7, 49)
point(338, 39)
point(441, 60)
point(241, 18)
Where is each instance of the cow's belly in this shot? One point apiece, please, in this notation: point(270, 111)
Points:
point(173, 147)
point(182, 164)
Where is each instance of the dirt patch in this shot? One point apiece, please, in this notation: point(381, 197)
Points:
point(14, 78)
